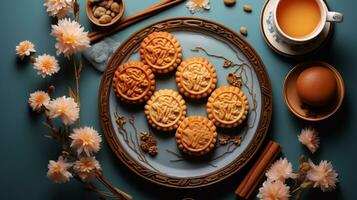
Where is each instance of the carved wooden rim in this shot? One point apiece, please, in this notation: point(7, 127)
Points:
point(192, 24)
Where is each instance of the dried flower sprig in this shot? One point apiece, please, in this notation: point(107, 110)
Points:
point(45, 65)
point(309, 175)
point(72, 163)
point(78, 144)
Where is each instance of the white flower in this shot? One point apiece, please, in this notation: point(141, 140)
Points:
point(58, 171)
point(86, 167)
point(25, 48)
point(70, 37)
point(197, 5)
point(58, 8)
point(274, 190)
point(309, 138)
point(280, 170)
point(38, 99)
point(46, 65)
point(65, 108)
point(85, 139)
point(322, 175)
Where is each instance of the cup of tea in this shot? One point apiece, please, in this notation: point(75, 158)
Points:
point(300, 21)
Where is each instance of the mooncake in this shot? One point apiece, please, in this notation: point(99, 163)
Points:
point(196, 78)
point(134, 82)
point(196, 135)
point(227, 107)
point(161, 51)
point(165, 110)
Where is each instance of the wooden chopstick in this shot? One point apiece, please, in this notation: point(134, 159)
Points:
point(148, 12)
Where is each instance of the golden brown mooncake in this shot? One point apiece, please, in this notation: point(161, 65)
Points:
point(165, 110)
point(196, 78)
point(227, 107)
point(161, 51)
point(134, 82)
point(196, 135)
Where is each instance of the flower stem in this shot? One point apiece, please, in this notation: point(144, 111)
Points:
point(296, 190)
point(77, 76)
point(118, 193)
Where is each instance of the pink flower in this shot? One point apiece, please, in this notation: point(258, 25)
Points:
point(310, 139)
point(197, 5)
point(38, 99)
point(322, 175)
point(58, 170)
point(86, 167)
point(58, 8)
point(280, 170)
point(65, 108)
point(70, 37)
point(46, 65)
point(274, 190)
point(25, 48)
point(86, 140)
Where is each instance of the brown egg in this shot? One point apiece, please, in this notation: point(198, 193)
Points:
point(316, 86)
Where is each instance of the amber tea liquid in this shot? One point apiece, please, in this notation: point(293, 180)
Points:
point(298, 18)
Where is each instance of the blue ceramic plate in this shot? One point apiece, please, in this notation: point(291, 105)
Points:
point(170, 167)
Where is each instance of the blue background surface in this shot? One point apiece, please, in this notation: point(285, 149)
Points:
point(25, 152)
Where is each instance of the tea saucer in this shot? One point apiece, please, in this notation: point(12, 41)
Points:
point(282, 47)
point(303, 111)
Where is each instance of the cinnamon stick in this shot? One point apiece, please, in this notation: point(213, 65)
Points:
point(148, 12)
point(256, 174)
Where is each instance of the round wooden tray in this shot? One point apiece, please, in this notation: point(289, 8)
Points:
point(226, 159)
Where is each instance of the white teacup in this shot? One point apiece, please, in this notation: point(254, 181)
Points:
point(325, 16)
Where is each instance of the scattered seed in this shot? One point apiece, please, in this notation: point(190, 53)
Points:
point(243, 30)
point(229, 2)
point(247, 8)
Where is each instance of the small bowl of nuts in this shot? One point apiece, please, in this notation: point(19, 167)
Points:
point(105, 13)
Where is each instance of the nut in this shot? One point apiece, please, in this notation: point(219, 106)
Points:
point(110, 2)
point(105, 19)
point(99, 12)
point(103, 3)
point(247, 8)
point(115, 7)
point(229, 3)
point(243, 30)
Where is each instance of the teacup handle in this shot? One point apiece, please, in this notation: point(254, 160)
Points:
point(334, 17)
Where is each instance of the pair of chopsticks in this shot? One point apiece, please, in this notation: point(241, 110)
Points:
point(148, 12)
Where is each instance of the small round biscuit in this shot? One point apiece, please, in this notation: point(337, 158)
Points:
point(196, 78)
point(227, 107)
point(134, 82)
point(161, 51)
